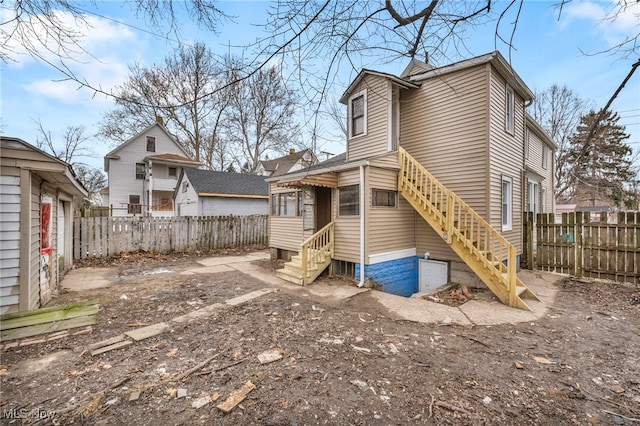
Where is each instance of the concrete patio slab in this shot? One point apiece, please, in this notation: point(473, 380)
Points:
point(215, 269)
point(420, 310)
point(228, 260)
point(87, 279)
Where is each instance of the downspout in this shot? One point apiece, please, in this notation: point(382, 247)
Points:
point(362, 212)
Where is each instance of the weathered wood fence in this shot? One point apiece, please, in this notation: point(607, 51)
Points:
point(582, 247)
point(107, 236)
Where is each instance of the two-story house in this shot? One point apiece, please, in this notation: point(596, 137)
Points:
point(434, 168)
point(143, 172)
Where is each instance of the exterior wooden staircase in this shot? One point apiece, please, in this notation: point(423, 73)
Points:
point(314, 257)
point(476, 242)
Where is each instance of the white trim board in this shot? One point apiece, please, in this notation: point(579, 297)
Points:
point(392, 255)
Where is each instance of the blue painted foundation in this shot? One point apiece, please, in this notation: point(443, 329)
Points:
point(398, 276)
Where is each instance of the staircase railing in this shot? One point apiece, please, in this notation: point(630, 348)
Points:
point(317, 249)
point(455, 221)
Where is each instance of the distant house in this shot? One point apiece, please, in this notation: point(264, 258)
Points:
point(37, 193)
point(143, 173)
point(287, 164)
point(211, 193)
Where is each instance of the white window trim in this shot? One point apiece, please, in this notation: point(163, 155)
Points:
point(526, 142)
point(508, 226)
point(545, 157)
point(363, 93)
point(543, 199)
point(510, 109)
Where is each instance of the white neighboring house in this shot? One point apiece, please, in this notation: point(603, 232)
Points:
point(211, 193)
point(286, 164)
point(143, 172)
point(37, 194)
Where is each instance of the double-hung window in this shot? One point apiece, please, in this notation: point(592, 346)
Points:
point(140, 170)
point(509, 110)
point(151, 144)
point(358, 114)
point(134, 206)
point(507, 203)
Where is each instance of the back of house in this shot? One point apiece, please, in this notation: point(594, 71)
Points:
point(460, 128)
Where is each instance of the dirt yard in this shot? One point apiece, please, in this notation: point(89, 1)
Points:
point(344, 361)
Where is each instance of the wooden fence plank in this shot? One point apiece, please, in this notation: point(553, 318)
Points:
point(102, 237)
point(603, 249)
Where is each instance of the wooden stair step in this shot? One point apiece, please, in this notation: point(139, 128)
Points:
point(520, 289)
point(289, 276)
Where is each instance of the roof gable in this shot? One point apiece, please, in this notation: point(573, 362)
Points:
point(114, 152)
point(406, 84)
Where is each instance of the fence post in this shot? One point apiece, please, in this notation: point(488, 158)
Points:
point(578, 227)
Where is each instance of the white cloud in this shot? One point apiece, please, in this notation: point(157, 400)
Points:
point(613, 20)
point(100, 59)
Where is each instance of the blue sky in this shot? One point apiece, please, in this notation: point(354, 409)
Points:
point(548, 51)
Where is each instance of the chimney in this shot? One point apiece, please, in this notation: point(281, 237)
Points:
point(159, 120)
point(292, 150)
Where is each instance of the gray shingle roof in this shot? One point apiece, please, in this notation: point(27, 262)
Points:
point(209, 181)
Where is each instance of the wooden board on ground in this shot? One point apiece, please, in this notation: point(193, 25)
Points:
point(236, 397)
point(47, 320)
point(148, 331)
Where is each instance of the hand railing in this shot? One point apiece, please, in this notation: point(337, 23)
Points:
point(317, 249)
point(458, 221)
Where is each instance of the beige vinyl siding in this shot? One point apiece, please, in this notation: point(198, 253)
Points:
point(534, 160)
point(415, 69)
point(285, 232)
point(34, 251)
point(389, 228)
point(9, 241)
point(443, 125)
point(389, 161)
point(375, 140)
point(429, 241)
point(347, 228)
point(505, 158)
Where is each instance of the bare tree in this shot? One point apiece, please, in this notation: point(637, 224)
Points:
point(40, 27)
point(184, 91)
point(324, 35)
point(73, 150)
point(261, 115)
point(558, 110)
